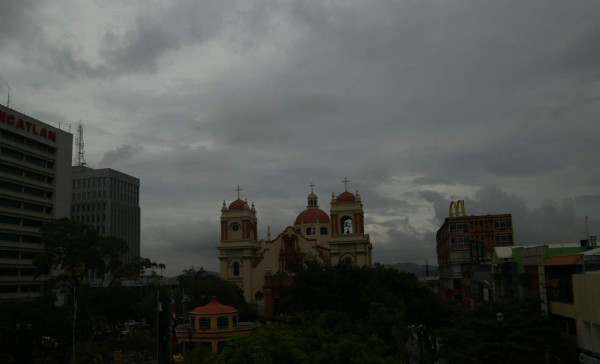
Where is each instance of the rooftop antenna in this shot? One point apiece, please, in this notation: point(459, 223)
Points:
point(80, 161)
point(8, 97)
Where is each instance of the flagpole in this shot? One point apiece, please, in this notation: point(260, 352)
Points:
point(157, 323)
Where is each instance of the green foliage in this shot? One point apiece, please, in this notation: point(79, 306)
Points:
point(265, 345)
point(201, 354)
point(522, 337)
point(199, 287)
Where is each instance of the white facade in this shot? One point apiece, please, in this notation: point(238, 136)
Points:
point(35, 186)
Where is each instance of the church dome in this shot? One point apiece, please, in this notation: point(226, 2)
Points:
point(312, 216)
point(237, 205)
point(346, 197)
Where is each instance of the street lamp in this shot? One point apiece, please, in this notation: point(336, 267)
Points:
point(190, 333)
point(500, 322)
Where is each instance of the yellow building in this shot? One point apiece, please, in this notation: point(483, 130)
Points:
point(213, 323)
point(253, 264)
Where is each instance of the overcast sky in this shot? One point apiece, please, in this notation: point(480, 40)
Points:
point(418, 103)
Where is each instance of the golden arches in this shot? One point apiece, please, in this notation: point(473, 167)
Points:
point(457, 208)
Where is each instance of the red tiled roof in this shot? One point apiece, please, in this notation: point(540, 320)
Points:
point(312, 216)
point(213, 307)
point(346, 197)
point(237, 204)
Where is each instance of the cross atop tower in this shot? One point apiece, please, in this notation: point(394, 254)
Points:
point(311, 187)
point(346, 180)
point(238, 189)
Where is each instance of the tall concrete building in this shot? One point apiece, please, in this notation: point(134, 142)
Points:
point(257, 265)
point(464, 247)
point(109, 201)
point(35, 186)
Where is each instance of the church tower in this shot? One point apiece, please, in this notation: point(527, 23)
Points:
point(349, 244)
point(239, 244)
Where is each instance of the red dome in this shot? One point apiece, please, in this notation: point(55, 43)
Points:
point(237, 205)
point(346, 197)
point(214, 306)
point(312, 216)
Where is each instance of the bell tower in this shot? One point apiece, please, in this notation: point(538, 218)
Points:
point(350, 244)
point(239, 245)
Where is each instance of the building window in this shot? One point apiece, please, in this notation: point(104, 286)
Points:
point(222, 322)
point(502, 224)
point(204, 323)
point(236, 269)
point(309, 231)
point(323, 231)
point(235, 226)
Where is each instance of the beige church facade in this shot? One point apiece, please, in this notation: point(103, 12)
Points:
point(260, 266)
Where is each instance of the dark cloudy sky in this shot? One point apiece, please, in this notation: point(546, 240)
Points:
point(417, 102)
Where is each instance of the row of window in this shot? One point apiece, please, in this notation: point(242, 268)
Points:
point(117, 196)
point(25, 173)
point(88, 207)
point(20, 156)
point(12, 220)
point(222, 322)
point(23, 288)
point(13, 187)
point(101, 182)
point(463, 227)
point(15, 254)
point(90, 218)
point(17, 271)
point(7, 202)
point(19, 238)
point(16, 138)
point(457, 241)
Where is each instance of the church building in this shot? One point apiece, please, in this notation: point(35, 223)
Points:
point(260, 266)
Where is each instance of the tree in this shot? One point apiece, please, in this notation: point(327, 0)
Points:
point(265, 345)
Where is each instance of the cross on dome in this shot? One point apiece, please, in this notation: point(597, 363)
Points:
point(238, 189)
point(346, 180)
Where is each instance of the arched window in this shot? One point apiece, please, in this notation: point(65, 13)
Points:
point(236, 269)
point(346, 225)
point(309, 230)
point(323, 231)
point(348, 261)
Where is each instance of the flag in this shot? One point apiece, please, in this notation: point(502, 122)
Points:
point(173, 322)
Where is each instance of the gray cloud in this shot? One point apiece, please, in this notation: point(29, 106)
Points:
point(123, 152)
point(418, 103)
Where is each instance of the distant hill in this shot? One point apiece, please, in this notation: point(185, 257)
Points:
point(416, 269)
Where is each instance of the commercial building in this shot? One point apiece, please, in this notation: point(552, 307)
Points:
point(259, 267)
point(109, 201)
point(464, 247)
point(35, 186)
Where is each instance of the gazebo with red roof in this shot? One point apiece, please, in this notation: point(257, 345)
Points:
point(212, 323)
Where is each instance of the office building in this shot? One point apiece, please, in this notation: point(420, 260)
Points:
point(108, 200)
point(35, 162)
point(464, 247)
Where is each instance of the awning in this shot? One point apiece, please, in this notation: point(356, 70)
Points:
point(563, 260)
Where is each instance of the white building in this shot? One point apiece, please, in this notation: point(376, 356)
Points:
point(35, 162)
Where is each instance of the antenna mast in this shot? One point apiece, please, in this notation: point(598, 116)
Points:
point(8, 97)
point(80, 161)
